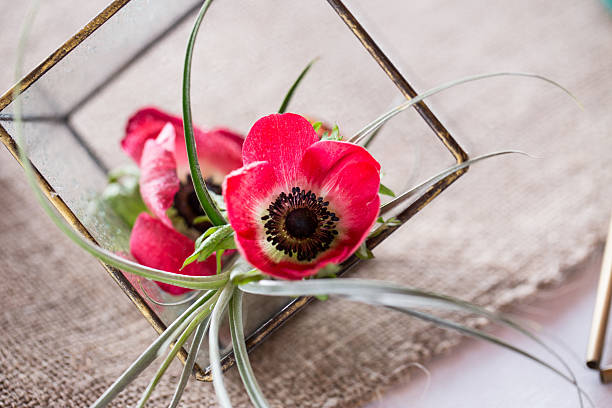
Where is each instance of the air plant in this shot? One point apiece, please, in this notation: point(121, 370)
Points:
point(297, 201)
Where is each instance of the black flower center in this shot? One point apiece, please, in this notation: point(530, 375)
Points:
point(187, 204)
point(300, 224)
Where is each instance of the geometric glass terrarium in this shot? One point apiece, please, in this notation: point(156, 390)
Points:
point(75, 105)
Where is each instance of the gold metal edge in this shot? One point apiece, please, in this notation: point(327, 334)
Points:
point(61, 52)
point(57, 202)
point(396, 77)
point(441, 132)
point(75, 223)
point(601, 310)
point(125, 285)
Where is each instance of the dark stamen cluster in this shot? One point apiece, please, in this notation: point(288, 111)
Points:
point(188, 206)
point(300, 224)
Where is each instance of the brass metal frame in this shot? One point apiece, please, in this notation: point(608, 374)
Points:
point(298, 304)
point(600, 314)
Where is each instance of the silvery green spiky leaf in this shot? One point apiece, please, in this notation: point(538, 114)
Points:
point(391, 295)
point(213, 239)
point(150, 354)
point(241, 354)
point(196, 318)
point(289, 96)
point(213, 345)
point(378, 122)
point(189, 363)
point(206, 201)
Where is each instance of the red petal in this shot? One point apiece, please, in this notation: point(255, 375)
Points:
point(155, 245)
point(245, 191)
point(353, 195)
point(281, 140)
point(342, 173)
point(219, 151)
point(144, 125)
point(245, 203)
point(349, 178)
point(159, 181)
point(326, 158)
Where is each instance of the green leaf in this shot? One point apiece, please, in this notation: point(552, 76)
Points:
point(122, 194)
point(197, 318)
point(399, 297)
point(213, 345)
point(227, 243)
point(378, 122)
point(328, 271)
point(289, 96)
point(333, 135)
point(372, 136)
point(215, 238)
point(206, 201)
point(363, 252)
point(151, 353)
point(384, 190)
point(241, 354)
point(239, 275)
point(194, 350)
point(391, 222)
point(316, 126)
point(201, 219)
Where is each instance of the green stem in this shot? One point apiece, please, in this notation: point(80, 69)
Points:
point(189, 363)
point(376, 123)
point(200, 314)
point(372, 136)
point(285, 104)
point(241, 353)
point(395, 296)
point(206, 201)
point(191, 282)
point(150, 354)
point(213, 345)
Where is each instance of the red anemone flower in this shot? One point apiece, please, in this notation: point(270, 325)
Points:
point(154, 140)
point(298, 203)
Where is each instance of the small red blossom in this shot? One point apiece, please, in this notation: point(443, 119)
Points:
point(156, 245)
point(299, 203)
point(154, 140)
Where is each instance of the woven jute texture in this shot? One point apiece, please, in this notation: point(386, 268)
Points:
point(507, 228)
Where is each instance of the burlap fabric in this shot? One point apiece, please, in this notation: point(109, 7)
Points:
point(507, 228)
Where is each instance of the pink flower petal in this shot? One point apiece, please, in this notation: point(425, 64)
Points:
point(349, 178)
point(144, 125)
point(159, 181)
point(219, 150)
point(344, 174)
point(245, 204)
point(280, 140)
point(155, 245)
point(243, 200)
point(326, 159)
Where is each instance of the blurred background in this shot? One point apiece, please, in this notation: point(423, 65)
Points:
point(514, 232)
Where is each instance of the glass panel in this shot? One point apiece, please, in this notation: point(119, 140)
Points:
point(241, 72)
point(96, 60)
